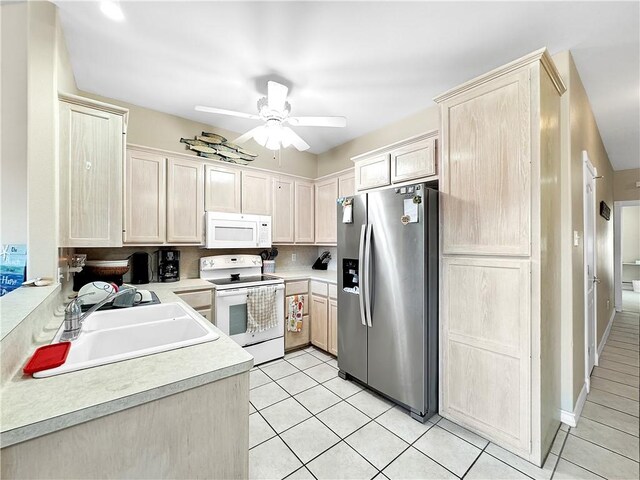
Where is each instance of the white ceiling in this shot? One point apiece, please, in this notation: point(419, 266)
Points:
point(373, 62)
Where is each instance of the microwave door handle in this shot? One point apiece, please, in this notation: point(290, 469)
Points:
point(367, 276)
point(362, 274)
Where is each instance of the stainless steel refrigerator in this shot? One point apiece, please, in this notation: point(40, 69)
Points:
point(388, 294)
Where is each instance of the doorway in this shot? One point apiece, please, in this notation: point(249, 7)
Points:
point(626, 252)
point(590, 274)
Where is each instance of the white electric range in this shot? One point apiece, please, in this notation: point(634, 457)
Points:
point(232, 277)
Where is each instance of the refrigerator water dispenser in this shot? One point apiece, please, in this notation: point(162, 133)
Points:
point(350, 275)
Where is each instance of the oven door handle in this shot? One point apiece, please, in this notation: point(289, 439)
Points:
point(241, 291)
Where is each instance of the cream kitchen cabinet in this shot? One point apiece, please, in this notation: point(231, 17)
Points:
point(347, 185)
point(500, 245)
point(223, 189)
point(326, 211)
point(407, 161)
point(319, 321)
point(293, 340)
point(304, 212)
point(145, 212)
point(256, 192)
point(414, 160)
point(91, 149)
point(283, 220)
point(324, 316)
point(185, 201)
point(333, 327)
point(372, 171)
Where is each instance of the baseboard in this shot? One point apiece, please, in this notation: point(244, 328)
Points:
point(605, 337)
point(571, 418)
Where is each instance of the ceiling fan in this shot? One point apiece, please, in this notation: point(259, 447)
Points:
point(274, 111)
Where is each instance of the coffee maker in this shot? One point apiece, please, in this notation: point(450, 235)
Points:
point(168, 265)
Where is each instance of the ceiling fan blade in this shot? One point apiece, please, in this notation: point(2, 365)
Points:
point(250, 134)
point(276, 95)
point(222, 111)
point(289, 137)
point(318, 121)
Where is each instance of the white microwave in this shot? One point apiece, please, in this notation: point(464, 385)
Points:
point(237, 230)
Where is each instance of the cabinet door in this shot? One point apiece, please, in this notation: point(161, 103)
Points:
point(256, 193)
point(333, 327)
point(145, 210)
point(185, 201)
point(326, 211)
point(347, 185)
point(319, 328)
point(282, 222)
point(91, 166)
point(485, 346)
point(416, 160)
point(304, 213)
point(372, 172)
point(222, 189)
point(297, 339)
point(486, 156)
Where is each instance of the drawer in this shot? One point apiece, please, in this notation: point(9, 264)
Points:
point(333, 291)
point(206, 313)
point(305, 307)
point(295, 288)
point(297, 339)
point(197, 300)
point(319, 288)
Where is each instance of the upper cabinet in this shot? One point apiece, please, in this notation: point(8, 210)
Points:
point(282, 222)
point(347, 185)
point(145, 213)
point(326, 211)
point(256, 192)
point(91, 139)
point(415, 160)
point(407, 161)
point(222, 191)
point(372, 171)
point(304, 212)
point(185, 201)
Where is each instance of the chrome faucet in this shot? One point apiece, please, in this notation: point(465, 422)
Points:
point(74, 318)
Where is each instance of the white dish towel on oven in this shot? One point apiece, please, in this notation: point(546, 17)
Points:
point(261, 309)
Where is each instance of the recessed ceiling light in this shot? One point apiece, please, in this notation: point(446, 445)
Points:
point(112, 10)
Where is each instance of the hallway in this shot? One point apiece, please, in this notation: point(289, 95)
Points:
point(605, 442)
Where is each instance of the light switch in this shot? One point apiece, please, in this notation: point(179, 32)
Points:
point(576, 238)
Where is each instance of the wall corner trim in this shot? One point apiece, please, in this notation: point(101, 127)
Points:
point(571, 418)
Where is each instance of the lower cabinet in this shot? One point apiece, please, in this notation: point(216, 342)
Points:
point(333, 327)
point(200, 301)
point(319, 319)
point(294, 340)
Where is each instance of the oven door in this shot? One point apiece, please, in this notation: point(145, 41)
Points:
point(231, 316)
point(223, 233)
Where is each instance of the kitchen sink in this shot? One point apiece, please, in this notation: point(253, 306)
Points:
point(114, 335)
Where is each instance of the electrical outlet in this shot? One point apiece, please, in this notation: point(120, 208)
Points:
point(294, 257)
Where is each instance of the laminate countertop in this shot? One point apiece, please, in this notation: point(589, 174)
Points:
point(329, 276)
point(34, 407)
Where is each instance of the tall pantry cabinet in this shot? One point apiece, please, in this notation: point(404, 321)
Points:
point(91, 154)
point(500, 265)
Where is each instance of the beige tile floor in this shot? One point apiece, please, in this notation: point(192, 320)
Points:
point(306, 422)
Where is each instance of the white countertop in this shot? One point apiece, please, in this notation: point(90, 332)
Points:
point(329, 276)
point(34, 407)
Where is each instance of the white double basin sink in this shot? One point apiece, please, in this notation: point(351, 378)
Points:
point(121, 334)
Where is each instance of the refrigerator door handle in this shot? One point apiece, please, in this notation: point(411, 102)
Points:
point(362, 273)
point(367, 275)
